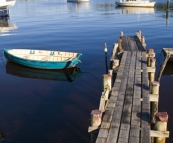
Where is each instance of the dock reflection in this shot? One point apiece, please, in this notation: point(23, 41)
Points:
point(168, 69)
point(135, 10)
point(6, 26)
point(70, 74)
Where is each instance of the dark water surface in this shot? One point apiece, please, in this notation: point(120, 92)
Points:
point(39, 110)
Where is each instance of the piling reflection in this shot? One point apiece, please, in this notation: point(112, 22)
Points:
point(167, 15)
point(70, 74)
point(6, 26)
point(135, 10)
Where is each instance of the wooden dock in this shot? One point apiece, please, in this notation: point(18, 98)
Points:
point(127, 116)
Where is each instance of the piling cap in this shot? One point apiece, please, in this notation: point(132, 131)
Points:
point(153, 59)
point(96, 113)
point(150, 50)
point(119, 41)
point(155, 83)
point(121, 50)
point(162, 116)
point(107, 76)
point(105, 48)
point(116, 61)
point(139, 31)
point(142, 37)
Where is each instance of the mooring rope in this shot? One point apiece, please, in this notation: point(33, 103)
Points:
point(90, 62)
point(159, 55)
point(93, 76)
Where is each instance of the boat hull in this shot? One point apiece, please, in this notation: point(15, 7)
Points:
point(42, 64)
point(7, 4)
point(4, 12)
point(77, 0)
point(136, 4)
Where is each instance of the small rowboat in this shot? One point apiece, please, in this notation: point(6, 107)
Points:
point(42, 59)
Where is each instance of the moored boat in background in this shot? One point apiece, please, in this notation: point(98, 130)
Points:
point(42, 59)
point(135, 3)
point(7, 3)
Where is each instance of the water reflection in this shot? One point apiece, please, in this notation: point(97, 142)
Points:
point(135, 10)
point(78, 6)
point(6, 26)
point(70, 74)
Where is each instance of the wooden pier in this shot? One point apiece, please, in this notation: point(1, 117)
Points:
point(129, 100)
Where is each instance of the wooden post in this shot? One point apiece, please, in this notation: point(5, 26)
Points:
point(143, 41)
point(161, 125)
point(150, 53)
point(119, 44)
point(106, 63)
point(110, 72)
point(96, 118)
point(115, 64)
point(168, 2)
point(154, 105)
point(107, 81)
point(121, 34)
point(139, 34)
point(120, 54)
point(163, 66)
point(153, 65)
point(114, 51)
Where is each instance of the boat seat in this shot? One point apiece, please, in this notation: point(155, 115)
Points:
point(27, 56)
point(46, 58)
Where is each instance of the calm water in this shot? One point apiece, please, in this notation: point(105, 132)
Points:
point(41, 110)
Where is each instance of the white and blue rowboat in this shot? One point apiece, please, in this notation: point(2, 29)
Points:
point(42, 59)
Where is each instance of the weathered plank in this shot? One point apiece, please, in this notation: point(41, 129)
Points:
point(115, 124)
point(140, 47)
point(124, 44)
point(145, 135)
point(145, 123)
point(132, 43)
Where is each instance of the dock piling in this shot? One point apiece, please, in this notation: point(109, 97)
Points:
point(161, 125)
point(154, 105)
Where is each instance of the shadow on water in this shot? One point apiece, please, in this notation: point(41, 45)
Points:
point(70, 74)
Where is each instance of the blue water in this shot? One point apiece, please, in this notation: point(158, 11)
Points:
point(48, 111)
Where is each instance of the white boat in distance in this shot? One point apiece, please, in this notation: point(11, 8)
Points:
point(135, 3)
point(7, 3)
point(77, 0)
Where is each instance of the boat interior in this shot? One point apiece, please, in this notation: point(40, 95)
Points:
point(43, 55)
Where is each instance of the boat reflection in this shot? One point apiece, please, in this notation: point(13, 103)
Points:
point(70, 74)
point(6, 26)
point(79, 7)
point(135, 10)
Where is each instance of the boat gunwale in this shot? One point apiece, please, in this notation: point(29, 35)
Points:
point(64, 61)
